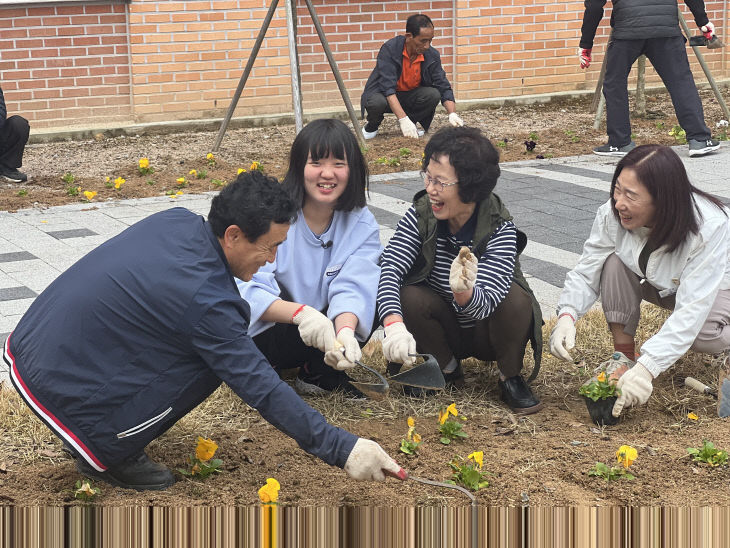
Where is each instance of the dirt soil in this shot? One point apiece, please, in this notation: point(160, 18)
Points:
point(560, 128)
point(542, 459)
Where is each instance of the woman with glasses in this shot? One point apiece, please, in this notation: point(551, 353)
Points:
point(450, 282)
point(321, 287)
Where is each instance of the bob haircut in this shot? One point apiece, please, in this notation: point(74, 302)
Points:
point(416, 22)
point(473, 156)
point(661, 171)
point(252, 202)
point(320, 139)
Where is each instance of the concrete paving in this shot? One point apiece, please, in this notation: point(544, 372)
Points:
point(553, 201)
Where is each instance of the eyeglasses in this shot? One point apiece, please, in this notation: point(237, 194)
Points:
point(438, 185)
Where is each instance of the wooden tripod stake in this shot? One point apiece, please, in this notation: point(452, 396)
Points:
point(294, 64)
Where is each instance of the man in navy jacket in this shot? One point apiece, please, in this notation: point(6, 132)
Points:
point(408, 80)
point(146, 326)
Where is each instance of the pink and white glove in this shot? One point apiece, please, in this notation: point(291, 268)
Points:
point(368, 461)
point(315, 328)
point(345, 352)
point(708, 30)
point(585, 57)
point(635, 386)
point(398, 343)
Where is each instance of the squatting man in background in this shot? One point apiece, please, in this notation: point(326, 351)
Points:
point(659, 239)
point(146, 326)
point(408, 80)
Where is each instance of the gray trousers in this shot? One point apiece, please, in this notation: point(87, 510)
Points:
point(621, 296)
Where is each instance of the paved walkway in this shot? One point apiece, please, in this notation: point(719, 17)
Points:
point(553, 201)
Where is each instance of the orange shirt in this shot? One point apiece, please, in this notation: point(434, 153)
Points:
point(410, 75)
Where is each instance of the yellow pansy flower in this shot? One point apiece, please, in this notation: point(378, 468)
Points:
point(478, 458)
point(411, 422)
point(193, 172)
point(416, 437)
point(210, 156)
point(452, 409)
point(240, 170)
point(205, 449)
point(254, 166)
point(89, 194)
point(180, 180)
point(626, 455)
point(144, 163)
point(118, 182)
point(108, 179)
point(86, 489)
point(270, 491)
point(692, 416)
point(601, 376)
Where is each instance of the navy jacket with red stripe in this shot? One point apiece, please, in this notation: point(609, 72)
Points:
point(140, 331)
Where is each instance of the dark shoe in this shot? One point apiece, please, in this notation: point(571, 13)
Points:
point(455, 379)
point(12, 175)
point(138, 472)
point(700, 148)
point(518, 396)
point(610, 150)
point(322, 384)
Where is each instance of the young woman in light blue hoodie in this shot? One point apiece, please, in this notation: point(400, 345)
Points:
point(314, 306)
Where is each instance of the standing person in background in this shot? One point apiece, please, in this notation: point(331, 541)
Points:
point(324, 280)
point(408, 80)
point(651, 29)
point(14, 132)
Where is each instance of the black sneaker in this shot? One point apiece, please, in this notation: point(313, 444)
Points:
point(700, 148)
point(138, 472)
point(12, 175)
point(518, 396)
point(610, 150)
point(322, 384)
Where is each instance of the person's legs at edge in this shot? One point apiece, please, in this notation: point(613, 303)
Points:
point(376, 106)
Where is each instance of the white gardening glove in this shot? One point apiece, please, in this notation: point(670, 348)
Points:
point(398, 343)
point(408, 128)
point(315, 328)
point(635, 386)
point(345, 352)
point(368, 461)
point(455, 120)
point(708, 30)
point(463, 273)
point(562, 339)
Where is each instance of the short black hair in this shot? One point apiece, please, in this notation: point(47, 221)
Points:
point(416, 22)
point(662, 172)
point(319, 139)
point(473, 156)
point(252, 202)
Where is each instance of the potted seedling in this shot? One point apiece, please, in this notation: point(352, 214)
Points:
point(600, 393)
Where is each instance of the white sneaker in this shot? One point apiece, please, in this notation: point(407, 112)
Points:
point(369, 134)
point(421, 132)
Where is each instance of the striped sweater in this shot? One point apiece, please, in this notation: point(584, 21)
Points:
point(494, 275)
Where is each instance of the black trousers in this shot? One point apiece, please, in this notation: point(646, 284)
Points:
point(419, 104)
point(13, 137)
point(502, 336)
point(669, 58)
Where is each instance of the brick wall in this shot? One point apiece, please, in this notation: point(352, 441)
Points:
point(87, 63)
point(65, 64)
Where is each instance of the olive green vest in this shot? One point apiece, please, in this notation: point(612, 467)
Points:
point(492, 214)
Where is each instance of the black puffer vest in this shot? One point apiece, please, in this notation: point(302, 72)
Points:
point(492, 214)
point(639, 19)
